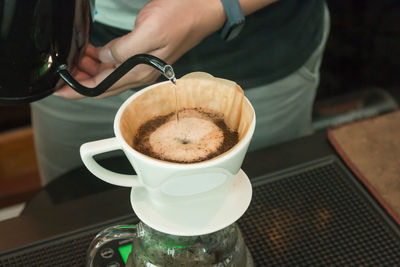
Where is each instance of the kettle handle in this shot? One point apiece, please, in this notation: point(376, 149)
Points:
point(124, 68)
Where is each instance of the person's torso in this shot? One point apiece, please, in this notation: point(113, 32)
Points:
point(118, 13)
point(274, 42)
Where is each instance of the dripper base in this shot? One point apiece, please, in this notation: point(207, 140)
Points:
point(195, 216)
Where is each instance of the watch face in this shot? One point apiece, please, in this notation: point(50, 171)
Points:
point(234, 30)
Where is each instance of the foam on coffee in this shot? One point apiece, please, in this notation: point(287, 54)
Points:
point(197, 136)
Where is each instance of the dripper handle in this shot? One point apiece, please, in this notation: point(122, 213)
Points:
point(89, 150)
point(124, 68)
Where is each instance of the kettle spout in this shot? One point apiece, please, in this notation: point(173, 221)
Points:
point(124, 68)
point(168, 72)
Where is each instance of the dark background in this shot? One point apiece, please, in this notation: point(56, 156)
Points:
point(363, 51)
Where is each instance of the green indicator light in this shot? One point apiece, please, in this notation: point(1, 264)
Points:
point(127, 227)
point(171, 243)
point(124, 251)
point(43, 69)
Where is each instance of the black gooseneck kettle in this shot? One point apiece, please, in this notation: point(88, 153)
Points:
point(42, 40)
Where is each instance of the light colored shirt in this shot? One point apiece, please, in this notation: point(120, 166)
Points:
point(118, 13)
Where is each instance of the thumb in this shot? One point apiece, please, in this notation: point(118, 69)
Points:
point(122, 48)
point(106, 56)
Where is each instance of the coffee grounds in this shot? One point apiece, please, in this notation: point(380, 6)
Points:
point(141, 139)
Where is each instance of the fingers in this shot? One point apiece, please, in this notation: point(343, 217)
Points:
point(68, 92)
point(120, 49)
point(141, 75)
point(90, 62)
point(89, 65)
point(105, 56)
point(85, 80)
point(92, 66)
point(98, 63)
point(92, 51)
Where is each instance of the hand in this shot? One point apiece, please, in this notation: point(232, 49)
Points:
point(164, 28)
point(89, 67)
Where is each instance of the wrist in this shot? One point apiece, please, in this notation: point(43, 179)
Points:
point(213, 17)
point(234, 19)
point(250, 6)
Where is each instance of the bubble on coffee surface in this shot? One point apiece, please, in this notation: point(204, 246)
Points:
point(197, 136)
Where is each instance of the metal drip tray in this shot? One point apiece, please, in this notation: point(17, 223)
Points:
point(314, 214)
point(318, 214)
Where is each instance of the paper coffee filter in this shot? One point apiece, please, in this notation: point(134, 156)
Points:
point(194, 90)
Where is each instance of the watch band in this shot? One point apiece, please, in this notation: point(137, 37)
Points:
point(234, 19)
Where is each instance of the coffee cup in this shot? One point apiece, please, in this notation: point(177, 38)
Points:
point(168, 181)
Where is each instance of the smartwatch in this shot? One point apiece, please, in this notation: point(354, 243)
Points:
point(234, 19)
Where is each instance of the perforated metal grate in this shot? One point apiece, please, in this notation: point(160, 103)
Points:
point(318, 215)
point(59, 253)
point(315, 214)
point(69, 250)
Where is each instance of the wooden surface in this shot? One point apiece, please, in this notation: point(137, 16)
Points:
point(14, 116)
point(371, 148)
point(19, 175)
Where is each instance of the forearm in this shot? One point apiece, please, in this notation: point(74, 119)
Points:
point(250, 6)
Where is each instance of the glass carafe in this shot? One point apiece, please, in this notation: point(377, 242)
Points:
point(225, 247)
